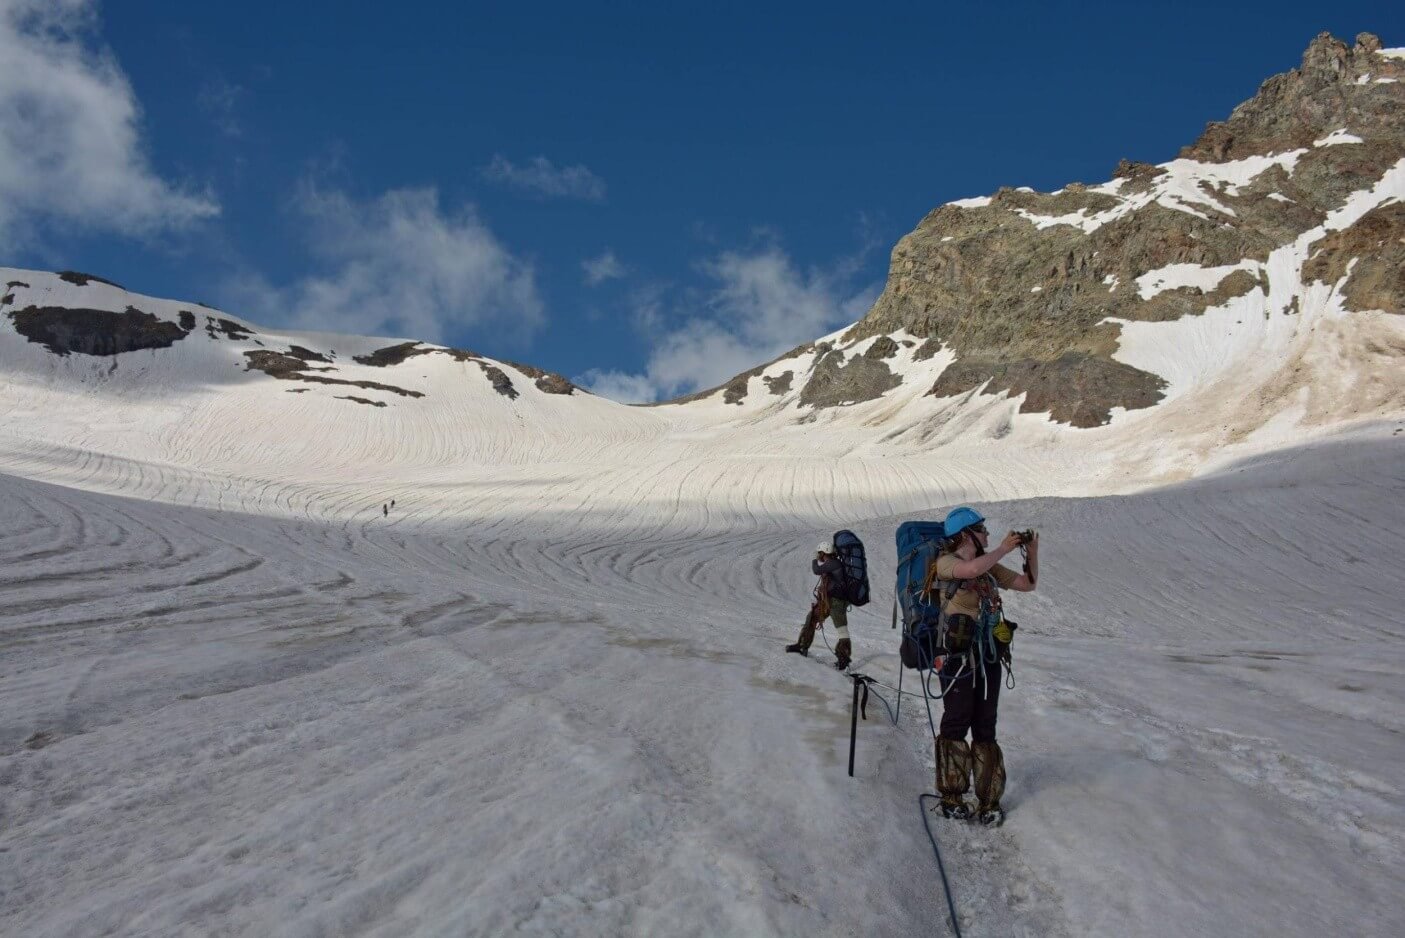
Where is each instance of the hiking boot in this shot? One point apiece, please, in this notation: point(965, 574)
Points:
point(841, 651)
point(957, 811)
point(991, 816)
point(807, 635)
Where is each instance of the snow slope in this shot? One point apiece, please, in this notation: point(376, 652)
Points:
point(247, 724)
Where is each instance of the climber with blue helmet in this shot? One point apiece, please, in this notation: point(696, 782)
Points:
point(978, 640)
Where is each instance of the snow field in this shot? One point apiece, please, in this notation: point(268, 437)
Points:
point(266, 725)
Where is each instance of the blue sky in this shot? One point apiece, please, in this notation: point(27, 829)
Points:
point(648, 197)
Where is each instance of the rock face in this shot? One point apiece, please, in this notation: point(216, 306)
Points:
point(287, 366)
point(1370, 255)
point(835, 381)
point(64, 330)
point(1073, 389)
point(82, 280)
point(1294, 109)
point(546, 381)
point(1020, 286)
point(218, 326)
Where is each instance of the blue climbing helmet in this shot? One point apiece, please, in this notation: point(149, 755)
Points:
point(960, 519)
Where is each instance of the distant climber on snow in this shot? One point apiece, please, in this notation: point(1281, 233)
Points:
point(978, 638)
point(840, 564)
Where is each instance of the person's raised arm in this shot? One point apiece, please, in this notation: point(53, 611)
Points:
point(978, 566)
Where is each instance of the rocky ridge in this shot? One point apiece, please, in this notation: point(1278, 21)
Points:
point(1026, 288)
point(85, 328)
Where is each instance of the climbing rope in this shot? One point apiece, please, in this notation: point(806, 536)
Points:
point(941, 867)
point(860, 703)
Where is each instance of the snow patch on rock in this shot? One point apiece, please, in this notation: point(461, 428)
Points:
point(1185, 186)
point(1336, 138)
point(1175, 276)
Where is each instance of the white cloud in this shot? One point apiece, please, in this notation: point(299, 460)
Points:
point(543, 178)
point(70, 147)
point(619, 386)
point(602, 268)
point(759, 307)
point(399, 266)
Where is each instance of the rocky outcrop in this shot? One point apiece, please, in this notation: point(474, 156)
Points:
point(390, 355)
point(1073, 388)
point(308, 355)
point(735, 391)
point(927, 350)
point(217, 327)
point(546, 381)
point(835, 381)
point(65, 330)
point(780, 384)
point(552, 383)
point(286, 367)
point(500, 381)
point(1324, 93)
point(1020, 286)
point(82, 280)
point(1370, 255)
point(882, 347)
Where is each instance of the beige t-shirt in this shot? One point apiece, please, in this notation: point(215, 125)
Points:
point(967, 601)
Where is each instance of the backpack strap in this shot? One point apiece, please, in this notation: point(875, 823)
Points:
point(902, 563)
point(941, 607)
point(951, 590)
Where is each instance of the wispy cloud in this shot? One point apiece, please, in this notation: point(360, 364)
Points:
point(397, 265)
point(758, 306)
point(219, 99)
point(544, 179)
point(620, 386)
point(602, 268)
point(70, 144)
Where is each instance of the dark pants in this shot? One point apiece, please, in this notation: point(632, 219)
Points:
point(969, 704)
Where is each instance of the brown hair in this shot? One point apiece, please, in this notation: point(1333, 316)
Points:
point(953, 543)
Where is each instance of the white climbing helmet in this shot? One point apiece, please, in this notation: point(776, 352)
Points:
point(826, 547)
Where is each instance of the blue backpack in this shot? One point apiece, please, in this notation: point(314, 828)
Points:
point(922, 640)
